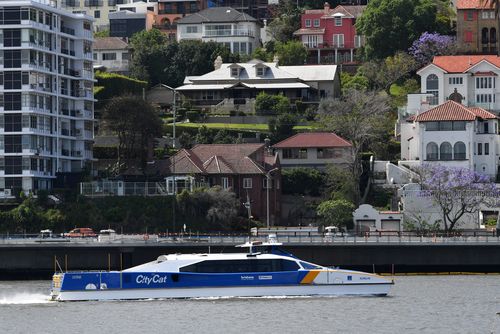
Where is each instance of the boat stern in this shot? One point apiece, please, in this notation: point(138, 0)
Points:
point(55, 290)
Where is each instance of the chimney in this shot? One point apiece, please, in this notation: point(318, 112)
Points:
point(218, 63)
point(326, 8)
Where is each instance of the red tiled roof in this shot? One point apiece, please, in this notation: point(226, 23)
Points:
point(474, 4)
point(453, 111)
point(485, 74)
point(353, 11)
point(313, 139)
point(460, 64)
point(222, 159)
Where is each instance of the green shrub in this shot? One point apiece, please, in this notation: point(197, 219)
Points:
point(192, 115)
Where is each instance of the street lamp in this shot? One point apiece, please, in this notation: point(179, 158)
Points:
point(268, 183)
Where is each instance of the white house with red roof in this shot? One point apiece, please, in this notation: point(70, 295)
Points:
point(453, 135)
point(314, 149)
point(471, 80)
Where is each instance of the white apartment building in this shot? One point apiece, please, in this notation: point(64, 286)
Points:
point(453, 135)
point(46, 87)
point(240, 32)
point(470, 80)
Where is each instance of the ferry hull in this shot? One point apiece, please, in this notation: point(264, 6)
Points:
point(377, 289)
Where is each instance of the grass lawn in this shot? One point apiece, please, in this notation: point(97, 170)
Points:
point(240, 127)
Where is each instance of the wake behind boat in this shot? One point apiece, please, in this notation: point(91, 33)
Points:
point(264, 270)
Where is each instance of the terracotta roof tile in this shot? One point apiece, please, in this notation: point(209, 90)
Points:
point(310, 31)
point(474, 4)
point(221, 159)
point(460, 64)
point(110, 43)
point(313, 139)
point(453, 111)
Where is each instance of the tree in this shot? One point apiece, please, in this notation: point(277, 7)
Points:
point(339, 183)
point(135, 122)
point(336, 213)
point(383, 73)
point(223, 137)
point(204, 135)
point(358, 117)
point(399, 21)
point(291, 53)
point(148, 56)
point(302, 181)
point(185, 140)
point(285, 22)
point(432, 44)
point(357, 81)
point(224, 206)
point(262, 54)
point(268, 103)
point(457, 191)
point(281, 127)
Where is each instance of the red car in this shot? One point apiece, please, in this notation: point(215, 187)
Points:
point(82, 232)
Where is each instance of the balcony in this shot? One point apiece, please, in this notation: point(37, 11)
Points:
point(68, 31)
point(229, 32)
point(333, 46)
point(93, 3)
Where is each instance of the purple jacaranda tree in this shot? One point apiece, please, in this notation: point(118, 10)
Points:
point(457, 191)
point(432, 44)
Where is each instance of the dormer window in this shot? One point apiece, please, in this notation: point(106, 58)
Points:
point(260, 71)
point(235, 72)
point(338, 21)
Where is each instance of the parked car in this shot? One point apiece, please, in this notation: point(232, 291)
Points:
point(45, 234)
point(82, 232)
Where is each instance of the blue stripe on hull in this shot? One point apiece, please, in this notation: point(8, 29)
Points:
point(130, 280)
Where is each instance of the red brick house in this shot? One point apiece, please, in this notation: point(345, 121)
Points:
point(477, 26)
point(330, 34)
point(249, 170)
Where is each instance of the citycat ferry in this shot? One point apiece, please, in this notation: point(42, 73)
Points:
point(264, 270)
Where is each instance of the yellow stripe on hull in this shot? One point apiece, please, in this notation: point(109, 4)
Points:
point(310, 276)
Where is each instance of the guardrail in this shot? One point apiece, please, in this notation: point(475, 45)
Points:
point(239, 239)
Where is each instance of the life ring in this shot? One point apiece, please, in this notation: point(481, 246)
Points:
point(146, 237)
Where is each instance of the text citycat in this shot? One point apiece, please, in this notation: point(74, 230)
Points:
point(141, 279)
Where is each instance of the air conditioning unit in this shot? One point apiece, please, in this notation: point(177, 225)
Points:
point(7, 192)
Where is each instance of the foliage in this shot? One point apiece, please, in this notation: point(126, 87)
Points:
point(135, 122)
point(111, 85)
point(358, 117)
point(399, 21)
point(339, 183)
point(357, 81)
point(147, 61)
point(185, 140)
point(400, 93)
point(102, 33)
point(432, 44)
point(291, 53)
point(335, 212)
point(457, 191)
point(285, 22)
point(281, 127)
point(223, 137)
point(262, 54)
point(381, 74)
point(268, 103)
point(302, 181)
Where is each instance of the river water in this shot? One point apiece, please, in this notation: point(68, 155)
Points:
point(417, 304)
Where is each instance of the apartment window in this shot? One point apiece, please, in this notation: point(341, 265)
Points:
point(12, 101)
point(312, 41)
point(13, 165)
point(236, 47)
point(455, 80)
point(13, 144)
point(125, 56)
point(109, 56)
point(191, 29)
point(485, 98)
point(459, 151)
point(485, 83)
point(97, 14)
point(486, 149)
point(266, 183)
point(316, 22)
point(358, 41)
point(479, 148)
point(338, 21)
point(492, 14)
point(432, 151)
point(11, 37)
point(95, 56)
point(12, 122)
point(10, 15)
point(247, 183)
point(295, 153)
point(308, 23)
point(12, 80)
point(469, 15)
point(485, 15)
point(12, 58)
point(432, 83)
point(225, 182)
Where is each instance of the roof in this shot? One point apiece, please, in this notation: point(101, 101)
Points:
point(126, 14)
point(213, 87)
point(221, 159)
point(347, 11)
point(217, 14)
point(453, 111)
point(313, 139)
point(272, 72)
point(475, 4)
point(460, 64)
point(110, 43)
point(310, 31)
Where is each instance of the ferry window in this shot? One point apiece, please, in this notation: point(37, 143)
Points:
point(307, 265)
point(241, 266)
